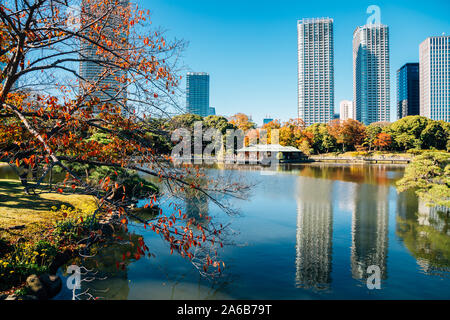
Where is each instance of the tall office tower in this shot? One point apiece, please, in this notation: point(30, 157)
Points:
point(408, 90)
point(346, 110)
point(371, 87)
point(314, 233)
point(197, 93)
point(96, 69)
point(315, 70)
point(434, 58)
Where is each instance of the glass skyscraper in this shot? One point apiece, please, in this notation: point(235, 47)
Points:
point(434, 70)
point(408, 90)
point(95, 70)
point(315, 70)
point(371, 87)
point(197, 93)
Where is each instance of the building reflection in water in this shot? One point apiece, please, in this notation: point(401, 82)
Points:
point(314, 233)
point(370, 230)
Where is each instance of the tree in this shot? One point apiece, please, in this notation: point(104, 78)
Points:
point(406, 131)
point(218, 122)
point(43, 43)
point(429, 175)
point(186, 121)
point(321, 140)
point(434, 135)
point(372, 131)
point(267, 128)
point(354, 133)
point(382, 141)
point(348, 133)
point(292, 133)
point(242, 121)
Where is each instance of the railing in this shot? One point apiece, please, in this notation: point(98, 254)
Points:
point(363, 159)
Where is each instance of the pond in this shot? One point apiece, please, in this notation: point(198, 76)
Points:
point(306, 232)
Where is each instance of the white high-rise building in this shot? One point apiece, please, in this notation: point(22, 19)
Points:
point(315, 70)
point(346, 110)
point(371, 78)
point(99, 75)
point(434, 78)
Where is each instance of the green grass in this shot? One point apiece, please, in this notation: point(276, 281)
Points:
point(34, 211)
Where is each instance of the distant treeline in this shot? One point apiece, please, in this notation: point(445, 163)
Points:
point(412, 132)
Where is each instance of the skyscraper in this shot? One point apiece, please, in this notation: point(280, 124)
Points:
point(371, 88)
point(315, 70)
point(434, 57)
point(408, 90)
point(95, 69)
point(346, 110)
point(197, 93)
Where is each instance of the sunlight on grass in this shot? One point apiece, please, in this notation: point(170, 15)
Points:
point(34, 211)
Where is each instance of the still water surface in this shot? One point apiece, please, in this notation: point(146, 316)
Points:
point(306, 232)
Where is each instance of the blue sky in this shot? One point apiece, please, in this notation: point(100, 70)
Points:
point(249, 47)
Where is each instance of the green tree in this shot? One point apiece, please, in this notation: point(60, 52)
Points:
point(322, 141)
point(434, 136)
point(372, 131)
point(406, 132)
point(186, 120)
point(429, 175)
point(218, 122)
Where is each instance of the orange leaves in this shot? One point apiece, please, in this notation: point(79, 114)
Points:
point(60, 190)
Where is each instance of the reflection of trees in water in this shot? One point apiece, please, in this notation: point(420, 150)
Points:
point(314, 233)
point(370, 230)
point(370, 174)
point(110, 282)
point(425, 231)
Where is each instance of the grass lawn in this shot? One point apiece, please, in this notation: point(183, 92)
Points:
point(35, 212)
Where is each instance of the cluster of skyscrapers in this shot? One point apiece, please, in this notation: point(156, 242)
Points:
point(422, 88)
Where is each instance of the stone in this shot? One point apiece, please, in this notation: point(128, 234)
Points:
point(36, 287)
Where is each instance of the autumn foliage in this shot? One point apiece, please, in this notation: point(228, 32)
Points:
point(73, 71)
